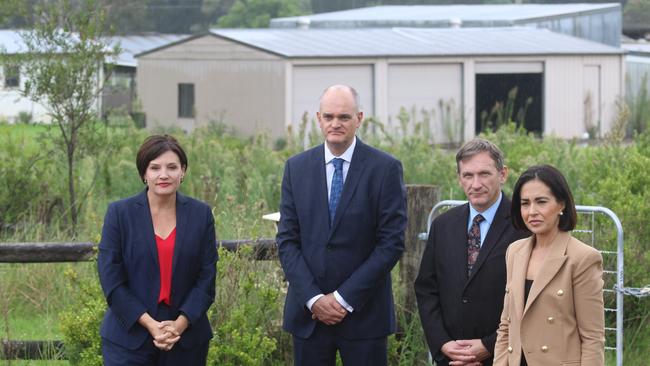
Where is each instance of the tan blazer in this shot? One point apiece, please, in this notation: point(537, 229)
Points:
point(563, 321)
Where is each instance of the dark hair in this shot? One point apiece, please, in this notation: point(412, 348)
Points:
point(477, 146)
point(154, 146)
point(558, 185)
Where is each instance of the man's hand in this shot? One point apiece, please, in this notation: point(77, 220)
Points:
point(458, 354)
point(328, 310)
point(476, 348)
point(465, 352)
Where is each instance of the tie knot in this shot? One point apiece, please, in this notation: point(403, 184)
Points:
point(479, 218)
point(338, 163)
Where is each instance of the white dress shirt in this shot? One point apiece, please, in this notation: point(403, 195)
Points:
point(329, 170)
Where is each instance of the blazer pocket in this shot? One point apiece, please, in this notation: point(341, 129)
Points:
point(570, 363)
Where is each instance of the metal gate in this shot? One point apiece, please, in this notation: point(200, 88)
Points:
point(590, 231)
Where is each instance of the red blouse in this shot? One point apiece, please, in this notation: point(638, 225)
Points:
point(165, 256)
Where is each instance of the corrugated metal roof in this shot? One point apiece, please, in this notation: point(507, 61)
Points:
point(439, 15)
point(366, 42)
point(642, 49)
point(135, 44)
point(11, 43)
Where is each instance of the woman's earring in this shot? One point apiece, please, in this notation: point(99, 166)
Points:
point(144, 181)
point(561, 213)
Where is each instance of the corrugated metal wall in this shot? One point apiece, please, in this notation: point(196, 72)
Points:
point(234, 84)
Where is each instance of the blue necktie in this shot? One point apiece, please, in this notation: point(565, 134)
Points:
point(337, 186)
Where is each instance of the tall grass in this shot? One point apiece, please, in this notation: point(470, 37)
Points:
point(240, 178)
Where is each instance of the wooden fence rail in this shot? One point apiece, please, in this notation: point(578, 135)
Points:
point(85, 251)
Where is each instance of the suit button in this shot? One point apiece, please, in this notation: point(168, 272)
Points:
point(329, 247)
point(560, 292)
point(550, 320)
point(544, 349)
point(509, 349)
point(464, 300)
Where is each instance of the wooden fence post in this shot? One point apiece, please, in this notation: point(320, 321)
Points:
point(421, 198)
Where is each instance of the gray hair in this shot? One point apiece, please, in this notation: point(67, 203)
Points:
point(476, 146)
point(352, 91)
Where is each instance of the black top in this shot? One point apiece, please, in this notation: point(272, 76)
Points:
point(529, 284)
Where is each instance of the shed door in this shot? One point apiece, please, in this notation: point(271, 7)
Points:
point(430, 95)
point(310, 81)
point(509, 91)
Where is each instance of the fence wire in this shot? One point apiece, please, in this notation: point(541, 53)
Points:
point(634, 291)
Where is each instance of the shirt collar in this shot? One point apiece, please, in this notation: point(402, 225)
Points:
point(347, 155)
point(488, 214)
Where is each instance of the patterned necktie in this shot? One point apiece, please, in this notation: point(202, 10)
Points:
point(473, 242)
point(337, 186)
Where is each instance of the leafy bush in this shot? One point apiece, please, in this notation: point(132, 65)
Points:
point(247, 312)
point(81, 320)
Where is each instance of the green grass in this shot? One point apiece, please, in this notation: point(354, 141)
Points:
point(35, 326)
point(35, 363)
point(28, 134)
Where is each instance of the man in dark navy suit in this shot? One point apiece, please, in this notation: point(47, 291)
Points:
point(462, 276)
point(343, 216)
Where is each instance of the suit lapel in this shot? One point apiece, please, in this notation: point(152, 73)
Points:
point(518, 279)
point(317, 170)
point(144, 217)
point(182, 220)
point(458, 251)
point(355, 171)
point(499, 224)
point(554, 261)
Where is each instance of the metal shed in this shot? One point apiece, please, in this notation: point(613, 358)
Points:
point(266, 79)
point(596, 22)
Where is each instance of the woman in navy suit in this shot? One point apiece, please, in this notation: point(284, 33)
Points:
point(157, 267)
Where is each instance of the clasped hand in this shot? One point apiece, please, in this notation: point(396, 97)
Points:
point(468, 352)
point(328, 310)
point(166, 333)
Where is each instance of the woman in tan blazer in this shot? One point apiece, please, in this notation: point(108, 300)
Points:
point(553, 311)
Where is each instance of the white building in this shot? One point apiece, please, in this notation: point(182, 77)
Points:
point(266, 79)
point(119, 92)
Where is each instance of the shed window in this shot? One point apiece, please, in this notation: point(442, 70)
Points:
point(186, 100)
point(12, 76)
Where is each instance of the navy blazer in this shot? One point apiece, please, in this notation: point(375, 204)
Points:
point(355, 254)
point(451, 305)
point(130, 274)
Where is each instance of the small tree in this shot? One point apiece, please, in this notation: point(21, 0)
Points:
point(258, 13)
point(64, 70)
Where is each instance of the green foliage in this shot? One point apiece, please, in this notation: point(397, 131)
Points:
point(81, 320)
point(258, 13)
point(639, 104)
point(503, 113)
point(636, 15)
point(68, 86)
point(247, 310)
